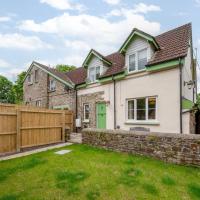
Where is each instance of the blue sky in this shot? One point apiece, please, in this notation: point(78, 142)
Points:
point(63, 31)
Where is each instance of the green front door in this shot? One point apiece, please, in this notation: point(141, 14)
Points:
point(101, 115)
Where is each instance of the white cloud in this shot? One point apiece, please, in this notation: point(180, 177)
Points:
point(197, 2)
point(144, 8)
point(5, 19)
point(99, 33)
point(64, 4)
point(19, 41)
point(4, 64)
point(112, 2)
point(77, 45)
point(140, 8)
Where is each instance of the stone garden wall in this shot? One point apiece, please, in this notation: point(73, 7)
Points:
point(174, 148)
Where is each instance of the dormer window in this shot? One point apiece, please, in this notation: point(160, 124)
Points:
point(137, 61)
point(94, 73)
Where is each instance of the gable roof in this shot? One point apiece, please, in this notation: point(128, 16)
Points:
point(173, 44)
point(142, 34)
point(53, 72)
point(97, 54)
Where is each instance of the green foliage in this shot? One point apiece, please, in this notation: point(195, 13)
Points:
point(6, 91)
point(198, 100)
point(65, 68)
point(18, 87)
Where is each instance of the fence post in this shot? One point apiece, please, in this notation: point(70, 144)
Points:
point(18, 139)
point(63, 126)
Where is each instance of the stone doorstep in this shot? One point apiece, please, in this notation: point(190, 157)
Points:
point(18, 155)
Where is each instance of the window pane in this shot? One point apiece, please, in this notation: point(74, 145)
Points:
point(97, 72)
point(92, 75)
point(132, 62)
point(142, 59)
point(141, 109)
point(152, 108)
point(131, 109)
point(86, 111)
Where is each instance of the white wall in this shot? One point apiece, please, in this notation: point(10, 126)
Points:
point(186, 122)
point(164, 85)
point(187, 76)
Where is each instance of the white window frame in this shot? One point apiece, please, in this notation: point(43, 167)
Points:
point(136, 53)
point(30, 81)
point(38, 103)
point(146, 110)
point(50, 85)
point(84, 119)
point(95, 69)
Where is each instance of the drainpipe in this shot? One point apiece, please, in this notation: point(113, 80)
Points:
point(76, 106)
point(180, 74)
point(114, 84)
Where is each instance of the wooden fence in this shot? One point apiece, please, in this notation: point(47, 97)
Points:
point(25, 126)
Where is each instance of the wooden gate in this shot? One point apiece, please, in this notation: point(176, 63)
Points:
point(22, 127)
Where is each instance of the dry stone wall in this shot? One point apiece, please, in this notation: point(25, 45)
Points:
point(174, 148)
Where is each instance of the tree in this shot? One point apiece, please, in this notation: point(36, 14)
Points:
point(65, 68)
point(6, 91)
point(18, 87)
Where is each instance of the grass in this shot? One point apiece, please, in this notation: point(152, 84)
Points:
point(90, 174)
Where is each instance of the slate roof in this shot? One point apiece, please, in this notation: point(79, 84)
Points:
point(173, 45)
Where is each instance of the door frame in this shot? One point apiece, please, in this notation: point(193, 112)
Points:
point(97, 113)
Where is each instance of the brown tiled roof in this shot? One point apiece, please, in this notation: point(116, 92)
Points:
point(78, 75)
point(173, 44)
point(118, 63)
point(60, 75)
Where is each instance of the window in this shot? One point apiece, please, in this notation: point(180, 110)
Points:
point(142, 59)
point(94, 73)
point(132, 63)
point(137, 61)
point(141, 109)
point(52, 85)
point(29, 79)
point(38, 103)
point(86, 112)
point(36, 75)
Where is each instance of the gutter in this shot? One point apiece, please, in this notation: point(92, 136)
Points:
point(114, 85)
point(180, 75)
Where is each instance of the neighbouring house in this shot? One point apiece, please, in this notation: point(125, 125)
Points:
point(150, 83)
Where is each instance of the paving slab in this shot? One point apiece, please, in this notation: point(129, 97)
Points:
point(26, 153)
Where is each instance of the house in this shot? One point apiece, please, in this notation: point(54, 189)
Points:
point(150, 82)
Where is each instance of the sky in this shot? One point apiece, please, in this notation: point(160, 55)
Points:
point(63, 31)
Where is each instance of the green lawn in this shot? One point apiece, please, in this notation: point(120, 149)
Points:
point(91, 173)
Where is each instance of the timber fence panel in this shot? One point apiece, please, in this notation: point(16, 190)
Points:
point(25, 126)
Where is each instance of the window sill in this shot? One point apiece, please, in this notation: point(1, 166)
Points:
point(136, 71)
point(86, 121)
point(143, 122)
point(49, 91)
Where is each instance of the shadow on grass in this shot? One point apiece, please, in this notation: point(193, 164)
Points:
point(149, 188)
point(24, 165)
point(167, 180)
point(93, 195)
point(9, 197)
point(130, 177)
point(69, 181)
point(194, 190)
